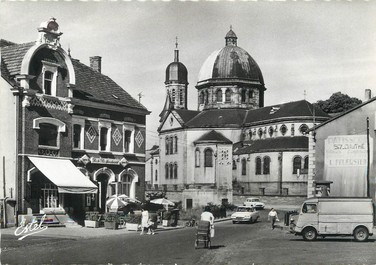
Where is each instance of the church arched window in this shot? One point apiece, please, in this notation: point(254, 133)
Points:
point(250, 94)
point(176, 144)
point(244, 166)
point(208, 158)
point(228, 95)
point(258, 166)
point(167, 140)
point(201, 97)
point(175, 171)
point(197, 157)
point(260, 133)
point(171, 141)
point(243, 93)
point(234, 167)
point(271, 131)
point(305, 165)
point(219, 95)
point(171, 170)
point(303, 129)
point(206, 97)
point(266, 166)
point(166, 170)
point(297, 164)
point(283, 129)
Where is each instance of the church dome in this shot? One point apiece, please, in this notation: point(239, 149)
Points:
point(231, 63)
point(176, 72)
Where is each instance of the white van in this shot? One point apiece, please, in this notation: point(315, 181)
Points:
point(331, 216)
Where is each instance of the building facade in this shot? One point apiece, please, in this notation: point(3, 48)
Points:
point(232, 143)
point(342, 153)
point(73, 136)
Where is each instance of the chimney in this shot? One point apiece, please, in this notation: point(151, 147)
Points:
point(96, 63)
point(367, 95)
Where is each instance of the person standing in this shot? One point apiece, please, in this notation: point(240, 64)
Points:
point(144, 220)
point(208, 216)
point(273, 217)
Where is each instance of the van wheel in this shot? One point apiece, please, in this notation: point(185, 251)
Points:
point(309, 234)
point(361, 234)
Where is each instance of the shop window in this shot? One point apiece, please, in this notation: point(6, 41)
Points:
point(258, 166)
point(125, 184)
point(244, 166)
point(197, 157)
point(228, 95)
point(49, 196)
point(219, 95)
point(297, 164)
point(208, 158)
point(48, 135)
point(266, 165)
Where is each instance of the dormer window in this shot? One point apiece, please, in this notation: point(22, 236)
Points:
point(49, 78)
point(47, 82)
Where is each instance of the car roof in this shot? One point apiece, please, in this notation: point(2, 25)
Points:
point(243, 206)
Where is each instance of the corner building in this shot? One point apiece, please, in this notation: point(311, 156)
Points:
point(232, 144)
point(72, 136)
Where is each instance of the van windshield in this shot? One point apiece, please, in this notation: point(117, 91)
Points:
point(309, 208)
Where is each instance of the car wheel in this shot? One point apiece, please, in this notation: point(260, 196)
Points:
point(256, 219)
point(233, 222)
point(361, 234)
point(309, 234)
point(196, 243)
point(209, 245)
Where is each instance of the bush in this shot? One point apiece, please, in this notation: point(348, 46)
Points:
point(92, 216)
point(133, 219)
point(194, 213)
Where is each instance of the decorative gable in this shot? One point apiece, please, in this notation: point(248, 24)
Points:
point(170, 123)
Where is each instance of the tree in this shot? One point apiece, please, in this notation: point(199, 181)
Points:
point(338, 102)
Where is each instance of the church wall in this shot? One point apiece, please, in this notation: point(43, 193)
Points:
point(178, 158)
point(8, 140)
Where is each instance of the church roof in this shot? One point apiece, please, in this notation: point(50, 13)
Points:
point(186, 115)
point(297, 143)
point(297, 109)
point(218, 118)
point(213, 137)
point(90, 85)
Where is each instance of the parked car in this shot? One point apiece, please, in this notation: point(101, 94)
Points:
point(245, 214)
point(254, 202)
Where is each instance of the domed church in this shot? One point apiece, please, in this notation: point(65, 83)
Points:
point(232, 144)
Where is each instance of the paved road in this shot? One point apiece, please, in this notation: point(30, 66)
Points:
point(233, 244)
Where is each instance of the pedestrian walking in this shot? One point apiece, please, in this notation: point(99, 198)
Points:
point(273, 217)
point(208, 216)
point(144, 221)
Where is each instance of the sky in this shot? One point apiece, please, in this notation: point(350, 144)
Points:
point(305, 49)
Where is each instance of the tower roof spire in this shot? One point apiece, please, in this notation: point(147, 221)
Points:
point(176, 59)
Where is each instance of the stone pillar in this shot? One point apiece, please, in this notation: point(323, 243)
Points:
point(311, 165)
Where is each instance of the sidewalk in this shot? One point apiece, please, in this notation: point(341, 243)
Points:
point(78, 232)
point(84, 232)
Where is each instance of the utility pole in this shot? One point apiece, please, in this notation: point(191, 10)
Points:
point(368, 158)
